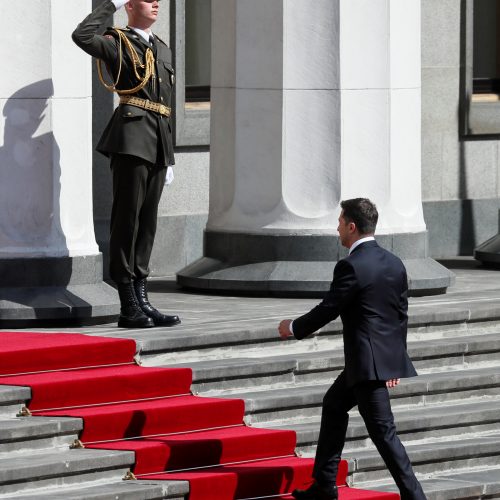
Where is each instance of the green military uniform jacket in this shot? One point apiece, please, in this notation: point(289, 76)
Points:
point(131, 130)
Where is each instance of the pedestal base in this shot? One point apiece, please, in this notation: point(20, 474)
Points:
point(489, 252)
point(62, 290)
point(298, 265)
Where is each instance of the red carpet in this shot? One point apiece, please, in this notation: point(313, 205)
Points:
point(30, 352)
point(254, 479)
point(346, 493)
point(175, 435)
point(178, 414)
point(95, 385)
point(198, 449)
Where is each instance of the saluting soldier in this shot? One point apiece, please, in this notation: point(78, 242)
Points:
point(138, 141)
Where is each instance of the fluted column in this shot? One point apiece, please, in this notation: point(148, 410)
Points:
point(312, 103)
point(50, 265)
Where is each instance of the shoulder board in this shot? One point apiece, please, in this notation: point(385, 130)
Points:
point(112, 31)
point(159, 39)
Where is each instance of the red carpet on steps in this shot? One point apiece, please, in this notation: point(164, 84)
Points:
point(174, 434)
point(175, 414)
point(204, 448)
point(30, 352)
point(96, 385)
point(346, 493)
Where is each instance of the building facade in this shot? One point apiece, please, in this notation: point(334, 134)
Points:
point(460, 129)
point(460, 148)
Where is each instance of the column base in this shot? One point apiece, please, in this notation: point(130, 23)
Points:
point(489, 252)
point(298, 265)
point(66, 290)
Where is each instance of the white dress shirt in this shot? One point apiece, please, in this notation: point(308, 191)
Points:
point(143, 33)
point(358, 242)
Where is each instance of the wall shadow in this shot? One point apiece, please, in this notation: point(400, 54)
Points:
point(467, 238)
point(30, 173)
point(30, 211)
point(102, 191)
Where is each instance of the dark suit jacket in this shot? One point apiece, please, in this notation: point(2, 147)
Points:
point(131, 130)
point(369, 292)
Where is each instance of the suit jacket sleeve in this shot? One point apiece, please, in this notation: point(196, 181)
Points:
point(342, 290)
point(403, 308)
point(86, 37)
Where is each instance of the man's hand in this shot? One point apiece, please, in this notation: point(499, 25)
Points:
point(284, 329)
point(393, 382)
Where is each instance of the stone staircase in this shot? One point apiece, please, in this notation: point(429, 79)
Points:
point(36, 460)
point(448, 417)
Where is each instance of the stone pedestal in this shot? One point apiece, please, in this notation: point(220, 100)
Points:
point(312, 103)
point(489, 252)
point(50, 266)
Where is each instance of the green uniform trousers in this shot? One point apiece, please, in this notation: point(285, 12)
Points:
point(137, 189)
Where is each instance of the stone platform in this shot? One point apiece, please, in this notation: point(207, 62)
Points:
point(448, 417)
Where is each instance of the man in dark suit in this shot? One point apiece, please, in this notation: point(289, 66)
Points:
point(369, 292)
point(138, 140)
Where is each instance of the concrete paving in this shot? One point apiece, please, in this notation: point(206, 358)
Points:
point(476, 292)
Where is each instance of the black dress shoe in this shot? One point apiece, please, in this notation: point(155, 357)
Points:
point(131, 315)
point(315, 492)
point(158, 318)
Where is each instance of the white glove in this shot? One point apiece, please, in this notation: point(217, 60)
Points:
point(119, 3)
point(170, 176)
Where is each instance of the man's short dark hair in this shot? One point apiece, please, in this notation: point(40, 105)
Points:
point(362, 212)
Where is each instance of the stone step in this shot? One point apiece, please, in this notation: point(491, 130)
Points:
point(271, 405)
point(417, 424)
point(241, 373)
point(467, 485)
point(26, 434)
point(122, 490)
point(300, 368)
point(62, 468)
point(430, 459)
point(165, 348)
point(455, 352)
point(12, 399)
point(321, 366)
point(259, 337)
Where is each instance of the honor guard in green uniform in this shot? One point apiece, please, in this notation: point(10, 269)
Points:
point(138, 141)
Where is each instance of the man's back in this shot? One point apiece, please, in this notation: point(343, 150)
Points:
point(375, 318)
point(369, 292)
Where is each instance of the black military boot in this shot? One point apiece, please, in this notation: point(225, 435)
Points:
point(158, 318)
point(131, 315)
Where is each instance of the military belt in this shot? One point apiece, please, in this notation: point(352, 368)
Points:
point(146, 104)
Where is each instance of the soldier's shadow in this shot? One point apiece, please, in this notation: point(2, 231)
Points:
point(35, 266)
point(30, 174)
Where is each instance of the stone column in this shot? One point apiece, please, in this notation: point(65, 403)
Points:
point(50, 266)
point(312, 103)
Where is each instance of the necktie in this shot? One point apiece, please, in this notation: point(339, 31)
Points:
point(152, 41)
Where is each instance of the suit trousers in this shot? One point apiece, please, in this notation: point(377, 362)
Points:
point(372, 398)
point(137, 189)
